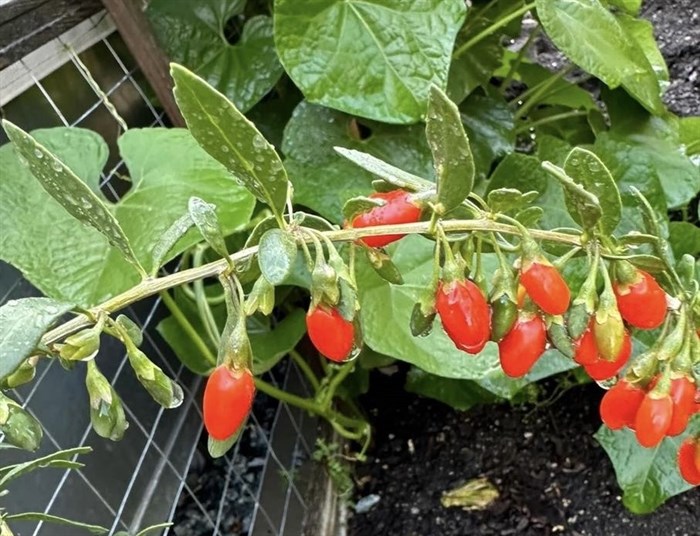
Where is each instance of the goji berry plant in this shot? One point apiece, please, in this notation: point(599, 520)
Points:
point(501, 243)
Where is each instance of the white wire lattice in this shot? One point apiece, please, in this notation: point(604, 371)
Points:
point(145, 479)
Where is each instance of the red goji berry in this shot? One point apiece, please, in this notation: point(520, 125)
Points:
point(642, 303)
point(683, 396)
point(586, 351)
point(545, 286)
point(523, 345)
point(330, 333)
point(228, 398)
point(398, 209)
point(653, 419)
point(620, 404)
point(465, 314)
point(689, 461)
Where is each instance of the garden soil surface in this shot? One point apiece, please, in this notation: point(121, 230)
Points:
point(552, 476)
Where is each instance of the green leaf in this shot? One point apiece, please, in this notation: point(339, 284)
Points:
point(276, 255)
point(70, 192)
point(452, 156)
point(351, 55)
point(386, 312)
point(506, 199)
point(648, 477)
point(57, 520)
point(59, 459)
point(684, 238)
point(641, 32)
point(217, 448)
point(490, 128)
point(225, 133)
point(272, 344)
point(459, 394)
point(133, 330)
point(632, 167)
point(22, 324)
point(324, 180)
point(168, 239)
point(193, 34)
point(71, 262)
point(593, 39)
point(587, 170)
point(583, 206)
point(204, 217)
point(360, 204)
point(525, 172)
point(689, 137)
point(631, 6)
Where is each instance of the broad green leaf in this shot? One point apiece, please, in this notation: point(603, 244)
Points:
point(375, 59)
point(168, 239)
point(648, 477)
point(689, 137)
point(593, 39)
point(60, 459)
point(587, 170)
point(204, 217)
point(631, 6)
point(452, 156)
point(642, 33)
point(473, 67)
point(386, 311)
point(225, 133)
point(459, 394)
point(490, 128)
point(57, 520)
point(507, 199)
point(324, 180)
point(22, 324)
point(68, 190)
point(684, 238)
point(272, 344)
point(193, 34)
point(71, 262)
point(632, 167)
point(277, 252)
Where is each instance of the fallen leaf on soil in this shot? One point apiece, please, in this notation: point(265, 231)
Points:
point(477, 494)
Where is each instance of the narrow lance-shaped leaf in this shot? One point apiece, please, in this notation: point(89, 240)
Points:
point(452, 155)
point(277, 254)
point(63, 459)
point(204, 217)
point(227, 135)
point(391, 174)
point(586, 169)
point(22, 324)
point(41, 516)
point(168, 239)
point(72, 193)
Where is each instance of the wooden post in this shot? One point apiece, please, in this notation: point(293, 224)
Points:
point(153, 62)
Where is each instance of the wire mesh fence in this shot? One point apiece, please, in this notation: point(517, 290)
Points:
point(87, 78)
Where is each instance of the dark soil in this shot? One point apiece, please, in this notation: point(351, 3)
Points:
point(551, 474)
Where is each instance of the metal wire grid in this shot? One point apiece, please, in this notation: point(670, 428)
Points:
point(277, 503)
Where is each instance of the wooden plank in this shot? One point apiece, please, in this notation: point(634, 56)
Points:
point(153, 62)
point(26, 25)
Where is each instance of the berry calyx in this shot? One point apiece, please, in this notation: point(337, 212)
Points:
point(398, 208)
point(228, 399)
point(523, 345)
point(642, 301)
point(620, 404)
point(653, 419)
point(545, 286)
point(465, 314)
point(689, 461)
point(331, 334)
